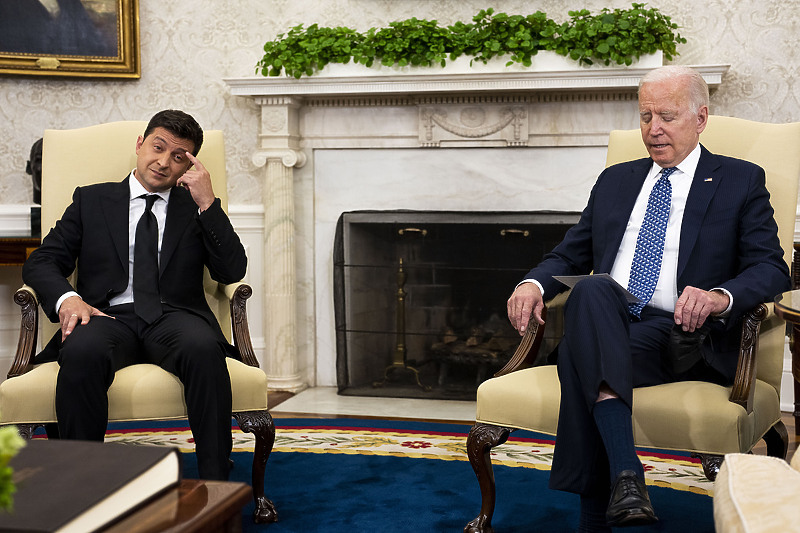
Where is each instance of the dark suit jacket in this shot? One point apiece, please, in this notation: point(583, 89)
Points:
point(94, 232)
point(728, 239)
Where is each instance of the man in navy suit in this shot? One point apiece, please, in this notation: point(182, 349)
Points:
point(105, 324)
point(718, 256)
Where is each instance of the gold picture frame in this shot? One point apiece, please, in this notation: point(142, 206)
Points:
point(75, 38)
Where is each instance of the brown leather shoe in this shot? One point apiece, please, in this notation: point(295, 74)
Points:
point(629, 504)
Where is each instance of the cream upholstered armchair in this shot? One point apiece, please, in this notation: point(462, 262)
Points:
point(106, 152)
point(703, 418)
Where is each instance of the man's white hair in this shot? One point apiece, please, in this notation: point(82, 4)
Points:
point(698, 88)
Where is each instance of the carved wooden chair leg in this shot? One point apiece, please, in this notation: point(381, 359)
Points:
point(777, 439)
point(482, 438)
point(711, 464)
point(261, 425)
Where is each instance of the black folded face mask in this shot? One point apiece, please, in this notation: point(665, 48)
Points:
point(686, 347)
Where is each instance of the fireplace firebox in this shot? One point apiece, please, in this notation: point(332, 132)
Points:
point(420, 297)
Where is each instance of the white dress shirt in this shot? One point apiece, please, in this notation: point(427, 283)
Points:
point(135, 210)
point(666, 292)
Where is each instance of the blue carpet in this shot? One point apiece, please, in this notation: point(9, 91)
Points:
point(338, 492)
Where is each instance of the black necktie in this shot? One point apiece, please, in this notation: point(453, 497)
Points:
point(146, 297)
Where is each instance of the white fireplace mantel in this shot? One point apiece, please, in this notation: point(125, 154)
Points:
point(436, 82)
point(472, 141)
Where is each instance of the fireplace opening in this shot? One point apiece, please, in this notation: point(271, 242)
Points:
point(420, 297)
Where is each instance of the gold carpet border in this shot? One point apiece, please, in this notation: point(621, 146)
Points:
point(673, 473)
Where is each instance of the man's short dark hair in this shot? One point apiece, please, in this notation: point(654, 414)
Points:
point(179, 124)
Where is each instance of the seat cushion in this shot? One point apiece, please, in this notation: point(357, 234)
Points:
point(755, 494)
point(525, 399)
point(139, 392)
point(691, 415)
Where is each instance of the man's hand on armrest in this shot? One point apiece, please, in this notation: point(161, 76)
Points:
point(695, 305)
point(526, 299)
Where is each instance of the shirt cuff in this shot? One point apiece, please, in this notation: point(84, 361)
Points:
point(541, 289)
point(64, 297)
point(727, 311)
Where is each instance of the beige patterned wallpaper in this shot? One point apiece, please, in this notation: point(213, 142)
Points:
point(189, 47)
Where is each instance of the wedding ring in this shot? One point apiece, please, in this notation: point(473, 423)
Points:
point(73, 314)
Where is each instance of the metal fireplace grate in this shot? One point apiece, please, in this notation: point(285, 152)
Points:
point(420, 296)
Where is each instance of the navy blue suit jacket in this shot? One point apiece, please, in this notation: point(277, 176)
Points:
point(728, 239)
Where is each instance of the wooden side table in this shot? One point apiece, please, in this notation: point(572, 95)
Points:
point(15, 250)
point(195, 506)
point(787, 306)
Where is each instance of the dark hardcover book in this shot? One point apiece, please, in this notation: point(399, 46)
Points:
point(75, 486)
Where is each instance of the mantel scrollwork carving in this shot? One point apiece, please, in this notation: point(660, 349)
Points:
point(479, 124)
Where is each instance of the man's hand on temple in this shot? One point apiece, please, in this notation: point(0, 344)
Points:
point(197, 181)
point(72, 311)
point(695, 305)
point(526, 299)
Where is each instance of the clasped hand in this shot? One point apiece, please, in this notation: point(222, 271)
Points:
point(695, 305)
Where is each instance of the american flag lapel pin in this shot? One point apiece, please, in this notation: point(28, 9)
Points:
point(708, 179)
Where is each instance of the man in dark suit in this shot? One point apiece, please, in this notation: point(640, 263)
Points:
point(691, 235)
point(120, 312)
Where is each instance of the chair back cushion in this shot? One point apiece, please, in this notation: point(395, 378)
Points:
point(107, 152)
point(774, 147)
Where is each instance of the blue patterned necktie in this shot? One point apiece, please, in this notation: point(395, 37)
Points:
point(646, 264)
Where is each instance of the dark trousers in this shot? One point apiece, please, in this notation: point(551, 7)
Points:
point(603, 344)
point(179, 342)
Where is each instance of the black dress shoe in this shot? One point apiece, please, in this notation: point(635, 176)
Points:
point(629, 504)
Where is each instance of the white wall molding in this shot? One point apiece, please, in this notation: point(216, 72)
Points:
point(15, 219)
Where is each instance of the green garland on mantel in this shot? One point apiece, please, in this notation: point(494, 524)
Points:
point(619, 36)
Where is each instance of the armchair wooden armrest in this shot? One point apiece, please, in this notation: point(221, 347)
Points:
point(26, 298)
point(237, 294)
point(528, 347)
point(743, 390)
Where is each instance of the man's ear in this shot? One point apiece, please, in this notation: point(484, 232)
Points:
point(139, 142)
point(702, 119)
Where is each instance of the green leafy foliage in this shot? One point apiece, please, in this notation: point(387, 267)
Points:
point(10, 443)
point(407, 42)
point(617, 36)
point(519, 37)
point(305, 50)
point(612, 37)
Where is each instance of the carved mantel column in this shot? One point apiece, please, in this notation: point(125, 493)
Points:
point(279, 153)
